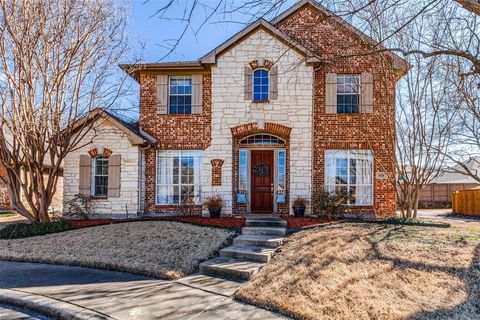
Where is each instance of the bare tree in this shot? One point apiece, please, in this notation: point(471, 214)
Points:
point(424, 122)
point(57, 60)
point(464, 150)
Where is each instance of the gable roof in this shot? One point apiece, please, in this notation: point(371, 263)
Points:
point(131, 129)
point(259, 24)
point(455, 175)
point(271, 27)
point(398, 62)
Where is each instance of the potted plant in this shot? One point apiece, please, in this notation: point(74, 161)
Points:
point(299, 205)
point(214, 205)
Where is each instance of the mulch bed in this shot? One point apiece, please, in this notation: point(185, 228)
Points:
point(224, 222)
point(303, 222)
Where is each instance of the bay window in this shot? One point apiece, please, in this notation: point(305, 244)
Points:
point(178, 176)
point(350, 172)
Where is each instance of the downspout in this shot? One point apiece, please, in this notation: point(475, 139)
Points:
point(140, 208)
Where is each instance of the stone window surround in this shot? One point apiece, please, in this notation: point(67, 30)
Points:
point(94, 153)
point(260, 64)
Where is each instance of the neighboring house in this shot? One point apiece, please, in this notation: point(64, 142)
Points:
point(4, 198)
point(5, 204)
point(263, 118)
point(439, 190)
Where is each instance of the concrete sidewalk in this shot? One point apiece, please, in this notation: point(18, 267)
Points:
point(126, 296)
point(444, 215)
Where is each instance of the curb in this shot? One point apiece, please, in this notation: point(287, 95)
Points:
point(49, 307)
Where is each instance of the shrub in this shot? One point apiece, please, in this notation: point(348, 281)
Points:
point(329, 204)
point(24, 230)
point(414, 222)
point(213, 202)
point(80, 206)
point(300, 202)
point(188, 205)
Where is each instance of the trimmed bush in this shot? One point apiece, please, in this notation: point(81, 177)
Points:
point(414, 222)
point(24, 230)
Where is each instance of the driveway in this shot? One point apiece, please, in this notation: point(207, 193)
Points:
point(126, 296)
point(444, 215)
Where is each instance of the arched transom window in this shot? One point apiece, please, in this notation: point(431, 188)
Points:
point(260, 85)
point(262, 139)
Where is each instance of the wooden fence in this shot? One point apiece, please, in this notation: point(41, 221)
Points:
point(466, 202)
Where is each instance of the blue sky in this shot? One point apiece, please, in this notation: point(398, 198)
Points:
point(155, 31)
point(151, 36)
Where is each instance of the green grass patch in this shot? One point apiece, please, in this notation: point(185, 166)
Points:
point(24, 230)
point(414, 222)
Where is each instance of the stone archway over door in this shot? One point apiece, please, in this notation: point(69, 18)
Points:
point(252, 145)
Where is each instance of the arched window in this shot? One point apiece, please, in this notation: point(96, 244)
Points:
point(100, 176)
point(262, 139)
point(260, 85)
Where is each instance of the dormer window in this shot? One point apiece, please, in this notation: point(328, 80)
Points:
point(260, 85)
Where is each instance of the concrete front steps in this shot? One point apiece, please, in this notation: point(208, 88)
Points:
point(250, 251)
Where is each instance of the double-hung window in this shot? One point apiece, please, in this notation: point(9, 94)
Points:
point(260, 85)
point(180, 95)
point(350, 172)
point(100, 176)
point(178, 176)
point(348, 93)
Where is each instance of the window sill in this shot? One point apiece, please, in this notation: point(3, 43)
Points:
point(261, 101)
point(99, 197)
point(178, 115)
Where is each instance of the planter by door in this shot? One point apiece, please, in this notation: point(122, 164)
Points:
point(299, 211)
point(214, 212)
point(262, 180)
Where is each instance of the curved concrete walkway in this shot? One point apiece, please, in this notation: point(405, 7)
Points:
point(126, 296)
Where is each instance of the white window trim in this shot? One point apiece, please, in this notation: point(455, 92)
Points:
point(198, 161)
point(348, 175)
point(178, 94)
point(94, 174)
point(253, 83)
point(348, 94)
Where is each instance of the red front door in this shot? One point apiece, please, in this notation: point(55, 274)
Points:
point(262, 180)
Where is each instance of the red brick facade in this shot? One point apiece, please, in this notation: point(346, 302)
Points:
point(173, 132)
point(372, 131)
point(216, 172)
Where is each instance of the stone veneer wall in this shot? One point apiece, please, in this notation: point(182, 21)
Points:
point(293, 109)
point(373, 131)
point(106, 135)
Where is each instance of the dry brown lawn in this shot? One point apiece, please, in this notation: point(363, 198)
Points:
point(372, 271)
point(162, 249)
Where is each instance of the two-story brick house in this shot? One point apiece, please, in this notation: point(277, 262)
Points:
point(281, 109)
